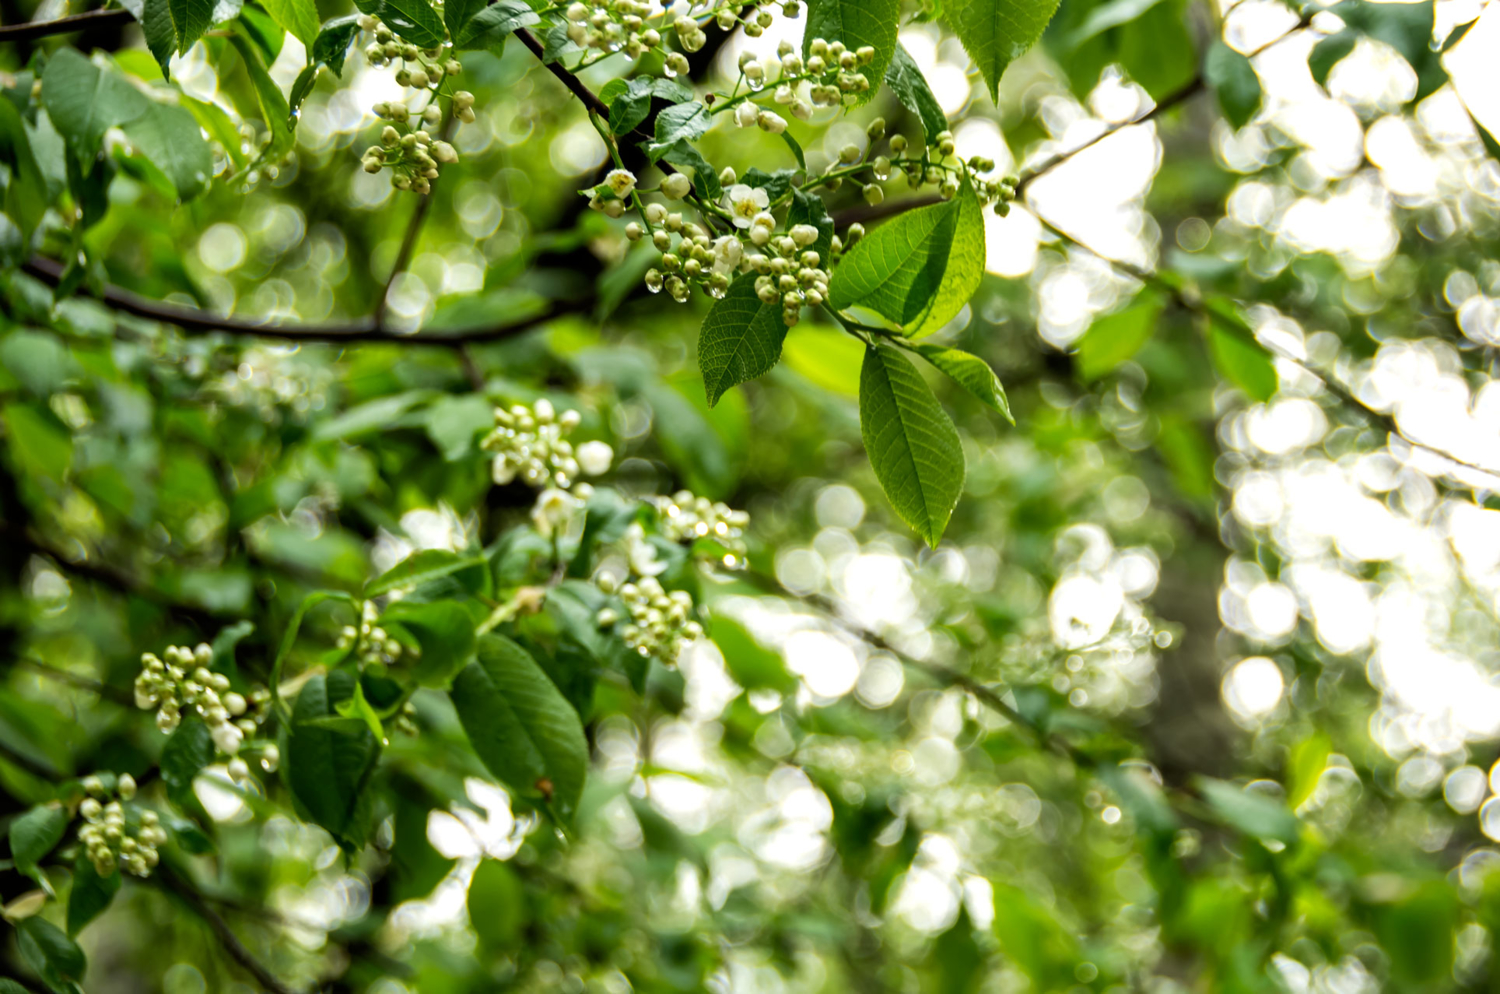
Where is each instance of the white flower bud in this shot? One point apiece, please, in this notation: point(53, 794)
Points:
point(676, 186)
point(595, 458)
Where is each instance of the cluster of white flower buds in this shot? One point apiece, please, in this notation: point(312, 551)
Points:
point(182, 680)
point(686, 517)
point(109, 842)
point(790, 274)
point(531, 443)
point(660, 623)
point(696, 257)
point(636, 27)
point(831, 72)
point(415, 157)
point(930, 169)
point(406, 148)
point(373, 643)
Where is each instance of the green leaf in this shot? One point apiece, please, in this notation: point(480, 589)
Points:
point(740, 340)
point(155, 17)
point(678, 123)
point(445, 632)
point(170, 138)
point(705, 181)
point(910, 87)
point(266, 35)
point(328, 771)
point(188, 750)
point(331, 47)
point(1329, 52)
point(421, 567)
point(274, 109)
point(90, 895)
point(751, 664)
point(918, 270)
point(1304, 768)
point(48, 950)
point(629, 109)
point(1234, 81)
point(35, 834)
point(1416, 931)
point(796, 149)
point(970, 372)
point(521, 726)
point(492, 24)
point(912, 444)
point(828, 358)
point(38, 443)
point(299, 17)
point(997, 32)
point(1142, 797)
point(857, 23)
point(497, 904)
point(414, 20)
point(373, 415)
point(1032, 938)
point(83, 101)
point(26, 194)
point(214, 120)
point(1250, 813)
point(1241, 359)
point(1116, 337)
point(453, 421)
point(36, 358)
point(190, 18)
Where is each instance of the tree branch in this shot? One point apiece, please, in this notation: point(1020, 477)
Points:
point(193, 320)
point(231, 943)
point(64, 25)
point(573, 83)
point(1191, 302)
point(104, 690)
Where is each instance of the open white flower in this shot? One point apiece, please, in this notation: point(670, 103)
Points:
point(745, 202)
point(621, 181)
point(728, 251)
point(553, 509)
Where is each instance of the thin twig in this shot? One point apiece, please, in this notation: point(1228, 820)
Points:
point(408, 241)
point(35, 767)
point(231, 943)
point(64, 25)
point(193, 320)
point(104, 690)
point(1191, 302)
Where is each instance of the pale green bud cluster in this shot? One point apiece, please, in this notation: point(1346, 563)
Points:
point(180, 680)
point(406, 720)
point(694, 258)
point(372, 643)
point(107, 839)
point(686, 517)
point(790, 270)
point(869, 170)
point(532, 443)
point(636, 27)
point(406, 147)
point(659, 624)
